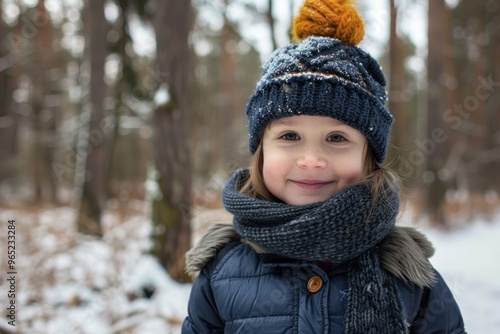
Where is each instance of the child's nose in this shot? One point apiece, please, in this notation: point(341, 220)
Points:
point(312, 158)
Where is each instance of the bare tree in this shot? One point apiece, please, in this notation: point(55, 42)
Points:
point(8, 122)
point(43, 118)
point(270, 21)
point(92, 196)
point(397, 80)
point(436, 148)
point(171, 211)
point(475, 57)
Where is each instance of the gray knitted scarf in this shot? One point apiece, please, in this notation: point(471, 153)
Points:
point(343, 229)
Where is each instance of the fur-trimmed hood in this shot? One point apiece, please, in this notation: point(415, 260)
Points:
point(404, 253)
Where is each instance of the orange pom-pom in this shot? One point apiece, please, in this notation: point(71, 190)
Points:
point(329, 18)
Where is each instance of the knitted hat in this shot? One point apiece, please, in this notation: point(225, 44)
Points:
point(324, 74)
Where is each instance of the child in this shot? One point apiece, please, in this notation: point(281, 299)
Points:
point(313, 247)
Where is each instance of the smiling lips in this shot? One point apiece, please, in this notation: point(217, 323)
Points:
point(311, 184)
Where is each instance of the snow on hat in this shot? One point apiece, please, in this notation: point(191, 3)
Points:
point(324, 74)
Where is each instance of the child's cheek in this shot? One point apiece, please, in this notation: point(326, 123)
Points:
point(351, 173)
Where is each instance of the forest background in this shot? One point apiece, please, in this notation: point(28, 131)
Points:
point(136, 108)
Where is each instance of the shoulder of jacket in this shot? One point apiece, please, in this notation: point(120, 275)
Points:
point(405, 253)
point(211, 245)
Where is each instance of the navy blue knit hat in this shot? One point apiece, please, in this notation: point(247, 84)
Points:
point(322, 76)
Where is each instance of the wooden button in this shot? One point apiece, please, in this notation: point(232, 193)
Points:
point(315, 284)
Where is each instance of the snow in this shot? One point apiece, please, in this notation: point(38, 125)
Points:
point(69, 283)
point(468, 260)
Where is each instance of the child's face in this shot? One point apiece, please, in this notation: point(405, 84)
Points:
point(308, 159)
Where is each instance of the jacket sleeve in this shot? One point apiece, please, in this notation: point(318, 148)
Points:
point(439, 312)
point(203, 316)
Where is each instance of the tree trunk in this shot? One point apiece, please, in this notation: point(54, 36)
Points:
point(397, 82)
point(92, 198)
point(493, 112)
point(172, 210)
point(270, 21)
point(229, 96)
point(43, 117)
point(8, 120)
point(433, 145)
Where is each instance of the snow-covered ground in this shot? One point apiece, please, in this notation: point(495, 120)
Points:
point(67, 283)
point(469, 260)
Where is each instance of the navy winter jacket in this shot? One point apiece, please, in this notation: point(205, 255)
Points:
point(243, 291)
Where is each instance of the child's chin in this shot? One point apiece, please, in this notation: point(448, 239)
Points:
point(307, 200)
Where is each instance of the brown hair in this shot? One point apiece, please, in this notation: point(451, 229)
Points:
point(379, 178)
point(254, 185)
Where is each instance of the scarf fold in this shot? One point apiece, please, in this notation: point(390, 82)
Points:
point(343, 229)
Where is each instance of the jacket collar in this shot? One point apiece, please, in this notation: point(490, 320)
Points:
point(404, 253)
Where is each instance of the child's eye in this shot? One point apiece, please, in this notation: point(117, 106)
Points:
point(336, 138)
point(290, 136)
